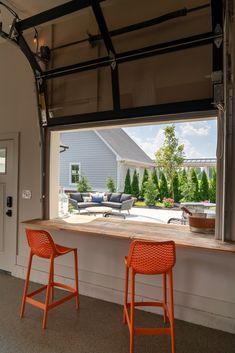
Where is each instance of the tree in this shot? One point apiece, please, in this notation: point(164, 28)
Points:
point(213, 186)
point(170, 157)
point(194, 186)
point(145, 178)
point(135, 184)
point(163, 187)
point(156, 182)
point(176, 187)
point(127, 188)
point(110, 184)
point(150, 192)
point(204, 187)
point(183, 183)
point(83, 185)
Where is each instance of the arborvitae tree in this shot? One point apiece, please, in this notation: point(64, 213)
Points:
point(194, 186)
point(127, 189)
point(163, 187)
point(176, 189)
point(183, 183)
point(135, 185)
point(170, 156)
point(156, 182)
point(144, 180)
point(150, 193)
point(83, 184)
point(213, 186)
point(110, 184)
point(204, 187)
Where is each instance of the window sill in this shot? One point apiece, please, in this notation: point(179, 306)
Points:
point(117, 228)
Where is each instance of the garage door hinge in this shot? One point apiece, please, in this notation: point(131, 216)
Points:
point(218, 87)
point(218, 32)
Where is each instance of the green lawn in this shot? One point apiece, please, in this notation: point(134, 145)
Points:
point(143, 204)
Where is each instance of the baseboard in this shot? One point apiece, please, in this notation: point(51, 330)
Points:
point(203, 311)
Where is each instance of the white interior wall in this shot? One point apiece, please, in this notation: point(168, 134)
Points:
point(18, 114)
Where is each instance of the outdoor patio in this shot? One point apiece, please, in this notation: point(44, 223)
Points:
point(142, 214)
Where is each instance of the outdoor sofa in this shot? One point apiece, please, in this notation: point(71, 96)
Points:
point(118, 201)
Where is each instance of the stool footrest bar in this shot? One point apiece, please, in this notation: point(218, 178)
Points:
point(152, 331)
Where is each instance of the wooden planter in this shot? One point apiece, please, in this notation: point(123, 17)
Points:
point(201, 223)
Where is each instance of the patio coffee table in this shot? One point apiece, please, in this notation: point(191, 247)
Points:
point(99, 210)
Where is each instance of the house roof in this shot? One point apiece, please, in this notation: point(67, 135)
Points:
point(124, 147)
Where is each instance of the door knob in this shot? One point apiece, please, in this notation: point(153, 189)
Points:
point(9, 213)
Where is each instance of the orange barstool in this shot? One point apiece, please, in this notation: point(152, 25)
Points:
point(150, 258)
point(41, 244)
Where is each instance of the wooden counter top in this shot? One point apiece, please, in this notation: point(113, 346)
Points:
point(118, 228)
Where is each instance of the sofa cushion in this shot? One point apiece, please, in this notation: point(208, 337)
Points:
point(86, 204)
point(76, 196)
point(108, 195)
point(115, 197)
point(116, 205)
point(96, 198)
point(125, 197)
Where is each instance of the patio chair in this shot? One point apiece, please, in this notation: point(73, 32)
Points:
point(183, 220)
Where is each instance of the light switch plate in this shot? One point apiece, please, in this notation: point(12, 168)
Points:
point(26, 194)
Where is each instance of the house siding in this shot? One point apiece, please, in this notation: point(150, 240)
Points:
point(97, 161)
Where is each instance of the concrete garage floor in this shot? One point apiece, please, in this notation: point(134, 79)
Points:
point(96, 328)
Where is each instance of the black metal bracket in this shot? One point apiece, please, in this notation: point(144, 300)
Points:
point(110, 50)
point(161, 110)
point(217, 27)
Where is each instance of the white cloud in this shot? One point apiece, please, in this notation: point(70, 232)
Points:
point(159, 138)
point(194, 136)
point(190, 150)
point(201, 128)
point(151, 145)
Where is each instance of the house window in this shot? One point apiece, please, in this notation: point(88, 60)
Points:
point(74, 173)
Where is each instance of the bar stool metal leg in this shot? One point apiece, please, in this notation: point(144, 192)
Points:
point(165, 297)
point(52, 280)
point(76, 277)
point(126, 294)
point(26, 285)
point(132, 311)
point(171, 312)
point(49, 285)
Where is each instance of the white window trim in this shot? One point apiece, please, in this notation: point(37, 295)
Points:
point(70, 169)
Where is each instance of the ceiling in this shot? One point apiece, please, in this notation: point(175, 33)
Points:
point(26, 8)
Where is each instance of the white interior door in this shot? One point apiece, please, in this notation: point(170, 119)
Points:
point(8, 202)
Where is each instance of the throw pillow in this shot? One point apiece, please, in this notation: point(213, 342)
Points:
point(125, 197)
point(76, 196)
point(115, 197)
point(97, 199)
point(108, 194)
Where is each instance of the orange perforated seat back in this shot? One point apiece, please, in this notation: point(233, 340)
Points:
point(41, 243)
point(151, 257)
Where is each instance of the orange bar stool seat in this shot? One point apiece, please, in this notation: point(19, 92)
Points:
point(42, 245)
point(150, 258)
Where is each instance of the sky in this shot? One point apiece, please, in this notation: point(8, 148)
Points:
point(199, 138)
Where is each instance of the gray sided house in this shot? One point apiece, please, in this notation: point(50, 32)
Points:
point(99, 154)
